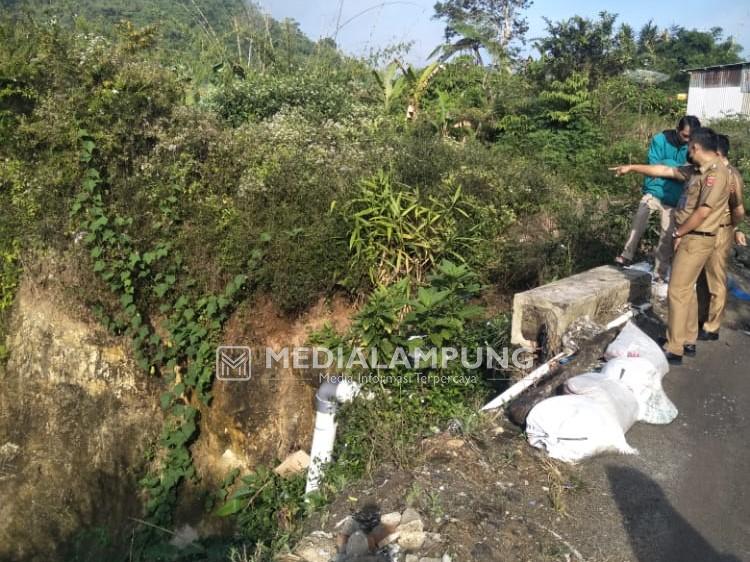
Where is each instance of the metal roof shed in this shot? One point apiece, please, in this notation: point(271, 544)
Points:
point(719, 91)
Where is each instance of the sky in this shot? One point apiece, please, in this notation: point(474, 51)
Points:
point(367, 25)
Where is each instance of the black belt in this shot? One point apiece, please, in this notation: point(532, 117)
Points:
point(725, 225)
point(699, 233)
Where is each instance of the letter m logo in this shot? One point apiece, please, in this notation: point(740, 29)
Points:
point(233, 363)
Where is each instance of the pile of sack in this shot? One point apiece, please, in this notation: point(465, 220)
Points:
point(599, 408)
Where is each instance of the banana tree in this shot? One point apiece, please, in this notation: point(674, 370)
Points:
point(418, 85)
point(391, 86)
point(473, 40)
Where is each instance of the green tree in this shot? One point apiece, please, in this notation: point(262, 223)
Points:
point(680, 48)
point(581, 44)
point(493, 24)
point(648, 39)
point(626, 46)
point(472, 41)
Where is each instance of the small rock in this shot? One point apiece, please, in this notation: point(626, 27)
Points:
point(393, 537)
point(425, 559)
point(410, 514)
point(412, 540)
point(446, 558)
point(381, 531)
point(412, 558)
point(411, 526)
point(454, 443)
point(357, 544)
point(230, 460)
point(293, 464)
point(348, 525)
point(391, 519)
point(316, 547)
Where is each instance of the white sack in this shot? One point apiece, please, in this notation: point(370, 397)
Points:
point(572, 428)
point(611, 395)
point(645, 382)
point(633, 342)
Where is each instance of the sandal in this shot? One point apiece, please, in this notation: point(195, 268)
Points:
point(623, 261)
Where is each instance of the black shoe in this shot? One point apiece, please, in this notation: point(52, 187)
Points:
point(689, 349)
point(703, 335)
point(673, 359)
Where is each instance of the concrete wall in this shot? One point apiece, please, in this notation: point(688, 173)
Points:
point(601, 294)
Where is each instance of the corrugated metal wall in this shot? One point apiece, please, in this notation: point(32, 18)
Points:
point(719, 92)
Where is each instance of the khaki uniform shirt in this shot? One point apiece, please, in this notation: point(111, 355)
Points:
point(707, 186)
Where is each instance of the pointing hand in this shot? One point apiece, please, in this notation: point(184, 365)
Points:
point(620, 170)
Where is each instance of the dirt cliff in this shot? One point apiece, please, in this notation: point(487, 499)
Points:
point(78, 419)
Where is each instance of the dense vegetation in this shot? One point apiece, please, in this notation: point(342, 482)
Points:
point(194, 154)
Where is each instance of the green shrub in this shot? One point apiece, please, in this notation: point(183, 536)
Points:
point(260, 96)
point(396, 233)
point(267, 508)
point(410, 399)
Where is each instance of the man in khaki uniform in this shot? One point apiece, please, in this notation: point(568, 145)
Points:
point(698, 218)
point(716, 266)
point(714, 282)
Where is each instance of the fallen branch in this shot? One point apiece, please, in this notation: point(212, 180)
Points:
point(157, 527)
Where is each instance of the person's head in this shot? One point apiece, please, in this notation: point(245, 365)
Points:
point(704, 143)
point(722, 143)
point(686, 126)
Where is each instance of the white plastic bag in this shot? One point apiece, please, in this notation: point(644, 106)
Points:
point(611, 395)
point(633, 342)
point(645, 382)
point(571, 428)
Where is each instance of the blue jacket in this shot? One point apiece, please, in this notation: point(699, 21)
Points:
point(665, 149)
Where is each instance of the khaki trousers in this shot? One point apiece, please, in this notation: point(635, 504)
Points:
point(663, 252)
point(716, 278)
point(691, 257)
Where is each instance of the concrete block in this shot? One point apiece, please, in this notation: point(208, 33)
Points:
point(600, 293)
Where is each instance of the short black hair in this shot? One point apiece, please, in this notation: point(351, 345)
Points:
point(722, 142)
point(707, 138)
point(688, 121)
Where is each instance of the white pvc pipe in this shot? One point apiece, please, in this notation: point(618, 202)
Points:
point(525, 382)
point(322, 447)
point(620, 320)
point(544, 369)
point(327, 400)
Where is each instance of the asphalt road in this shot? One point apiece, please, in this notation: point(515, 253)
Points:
point(685, 497)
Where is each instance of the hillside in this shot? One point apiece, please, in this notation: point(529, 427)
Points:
point(199, 175)
point(180, 27)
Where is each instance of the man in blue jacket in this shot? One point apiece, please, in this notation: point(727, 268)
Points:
point(668, 148)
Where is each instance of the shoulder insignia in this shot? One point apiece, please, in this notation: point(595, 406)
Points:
point(710, 181)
